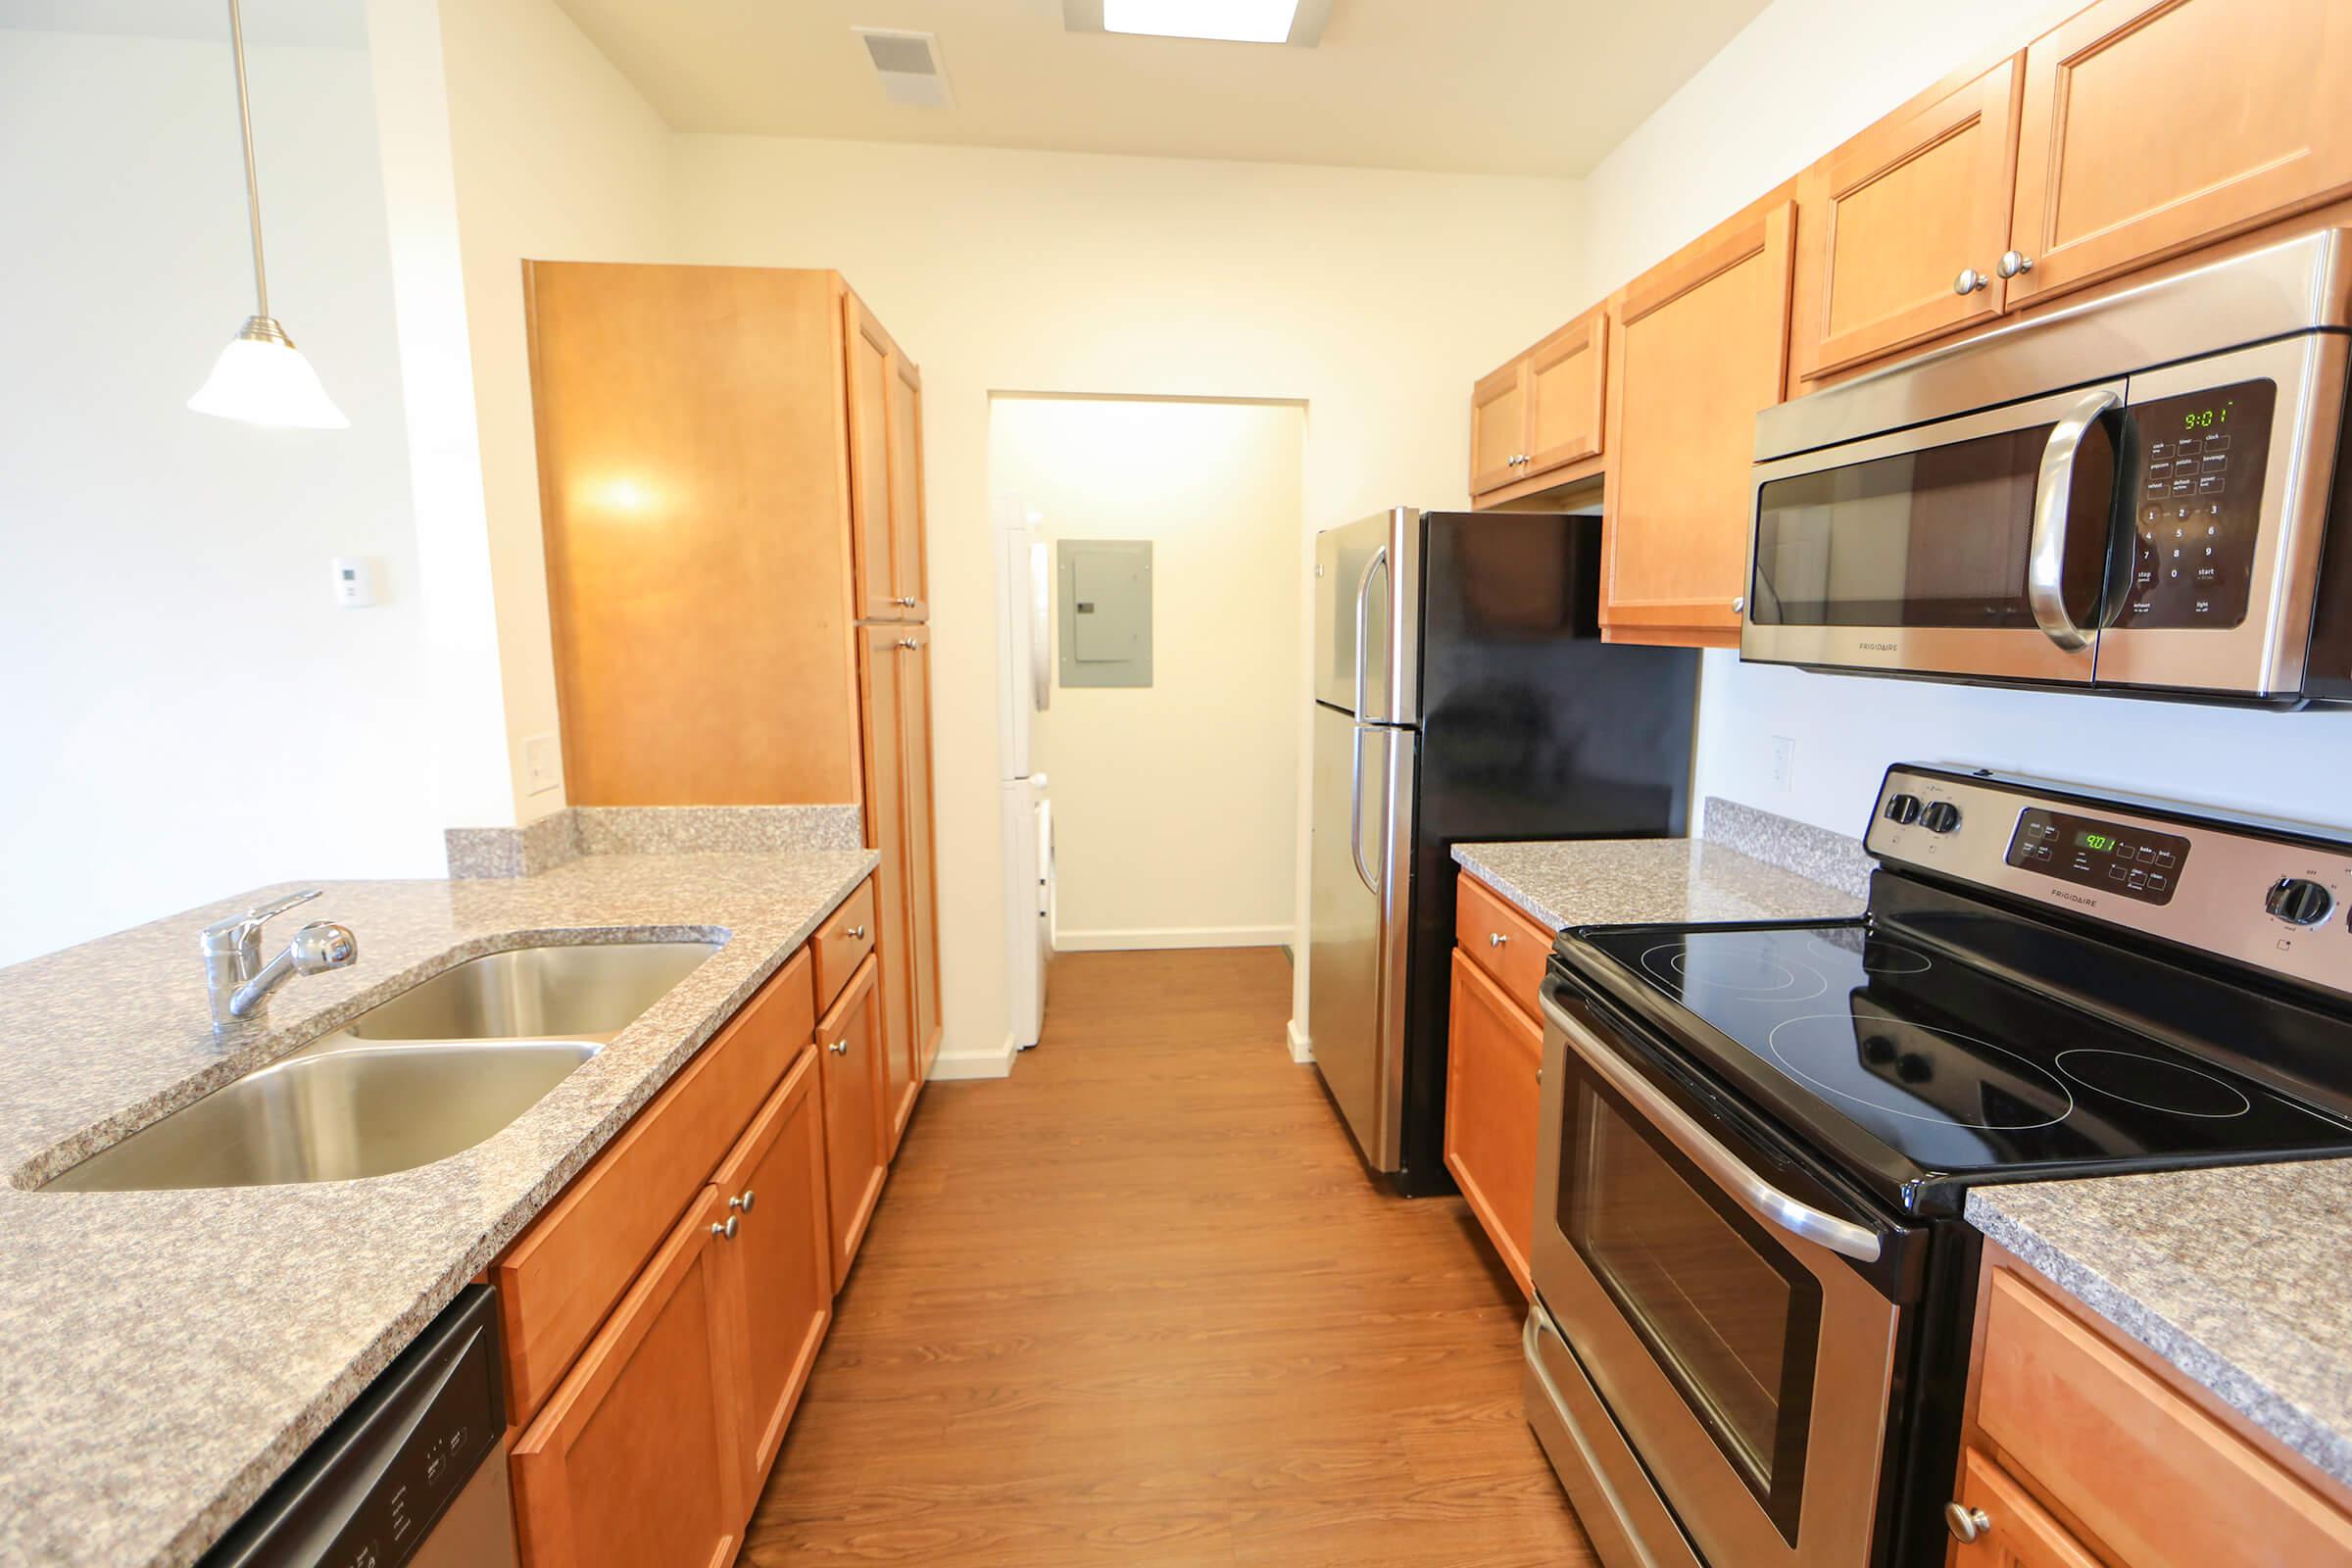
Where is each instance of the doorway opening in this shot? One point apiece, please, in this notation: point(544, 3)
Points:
point(1167, 539)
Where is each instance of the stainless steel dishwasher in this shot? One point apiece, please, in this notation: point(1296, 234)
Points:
point(414, 1473)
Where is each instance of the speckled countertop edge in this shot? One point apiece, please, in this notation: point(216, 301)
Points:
point(201, 1340)
point(1631, 881)
point(2236, 1276)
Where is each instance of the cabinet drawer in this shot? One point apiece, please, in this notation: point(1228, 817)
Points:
point(559, 1280)
point(2157, 1480)
point(842, 942)
point(1502, 941)
point(2017, 1531)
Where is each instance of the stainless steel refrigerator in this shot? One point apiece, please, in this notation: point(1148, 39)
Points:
point(1462, 692)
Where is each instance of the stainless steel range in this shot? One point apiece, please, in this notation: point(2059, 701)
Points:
point(1755, 1289)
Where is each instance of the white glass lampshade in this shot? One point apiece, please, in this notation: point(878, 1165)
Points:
point(262, 378)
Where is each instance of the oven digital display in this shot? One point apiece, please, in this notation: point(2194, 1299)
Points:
point(2133, 861)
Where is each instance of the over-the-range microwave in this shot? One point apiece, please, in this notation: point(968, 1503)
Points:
point(2139, 495)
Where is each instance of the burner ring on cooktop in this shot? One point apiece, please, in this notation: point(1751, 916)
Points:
point(2025, 1067)
point(1776, 981)
point(1881, 957)
point(2155, 1090)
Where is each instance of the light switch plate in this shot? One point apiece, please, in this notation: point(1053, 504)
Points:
point(1784, 763)
point(542, 765)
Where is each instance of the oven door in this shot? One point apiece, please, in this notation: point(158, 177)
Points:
point(1992, 545)
point(1709, 1290)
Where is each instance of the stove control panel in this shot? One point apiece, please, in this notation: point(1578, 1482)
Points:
point(2112, 856)
point(2277, 896)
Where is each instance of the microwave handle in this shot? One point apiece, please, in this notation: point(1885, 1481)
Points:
point(2045, 563)
point(1703, 1150)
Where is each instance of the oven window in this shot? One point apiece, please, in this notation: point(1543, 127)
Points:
point(1729, 1316)
point(1936, 537)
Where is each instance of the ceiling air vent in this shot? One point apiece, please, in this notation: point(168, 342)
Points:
point(909, 66)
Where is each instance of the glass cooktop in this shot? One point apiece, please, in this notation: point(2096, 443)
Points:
point(1947, 1068)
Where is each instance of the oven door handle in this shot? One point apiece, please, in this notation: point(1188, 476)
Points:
point(2045, 562)
point(1800, 1219)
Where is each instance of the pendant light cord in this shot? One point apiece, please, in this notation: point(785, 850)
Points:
point(253, 182)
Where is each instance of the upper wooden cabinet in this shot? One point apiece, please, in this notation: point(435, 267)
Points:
point(2152, 125)
point(1702, 344)
point(886, 468)
point(1901, 230)
point(907, 545)
point(1541, 413)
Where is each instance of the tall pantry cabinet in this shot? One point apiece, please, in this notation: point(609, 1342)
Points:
point(731, 494)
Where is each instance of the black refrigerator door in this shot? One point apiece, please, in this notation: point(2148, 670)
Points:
point(1532, 727)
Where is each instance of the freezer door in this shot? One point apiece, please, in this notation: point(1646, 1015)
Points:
point(1368, 616)
point(1357, 923)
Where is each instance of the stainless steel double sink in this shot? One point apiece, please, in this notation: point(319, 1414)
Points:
point(428, 1074)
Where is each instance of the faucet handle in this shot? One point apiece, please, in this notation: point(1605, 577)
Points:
point(239, 931)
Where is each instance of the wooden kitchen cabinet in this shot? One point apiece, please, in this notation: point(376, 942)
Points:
point(777, 1269)
point(1541, 413)
point(886, 469)
point(2150, 126)
point(1888, 222)
point(634, 1459)
point(1494, 1064)
point(922, 863)
point(909, 546)
point(883, 676)
point(1701, 345)
point(2015, 1531)
point(854, 1065)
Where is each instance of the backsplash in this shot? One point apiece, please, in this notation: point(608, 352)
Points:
point(1817, 854)
point(582, 830)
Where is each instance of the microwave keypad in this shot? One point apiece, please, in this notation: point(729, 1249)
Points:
point(2197, 506)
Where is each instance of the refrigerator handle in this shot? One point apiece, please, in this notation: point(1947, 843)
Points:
point(1356, 810)
point(1363, 599)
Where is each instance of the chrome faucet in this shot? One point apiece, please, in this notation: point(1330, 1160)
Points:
point(235, 975)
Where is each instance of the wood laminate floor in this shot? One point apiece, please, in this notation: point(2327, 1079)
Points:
point(1139, 1305)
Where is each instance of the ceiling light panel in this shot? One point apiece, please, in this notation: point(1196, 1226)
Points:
point(1290, 21)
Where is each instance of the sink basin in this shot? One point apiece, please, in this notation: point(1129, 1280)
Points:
point(336, 1111)
point(590, 991)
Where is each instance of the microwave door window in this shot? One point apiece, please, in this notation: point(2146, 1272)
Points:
point(1936, 537)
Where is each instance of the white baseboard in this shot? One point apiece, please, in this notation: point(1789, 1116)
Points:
point(1301, 1048)
point(997, 1063)
point(1206, 936)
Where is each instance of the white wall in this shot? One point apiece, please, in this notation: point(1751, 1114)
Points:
point(1175, 805)
point(1739, 126)
point(1373, 298)
point(185, 711)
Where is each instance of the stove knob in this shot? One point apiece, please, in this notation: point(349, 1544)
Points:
point(1941, 816)
point(1903, 809)
point(2298, 901)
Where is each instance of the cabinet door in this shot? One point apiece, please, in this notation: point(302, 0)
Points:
point(779, 1267)
point(886, 773)
point(2152, 125)
point(1702, 344)
point(635, 1457)
point(1887, 222)
point(1566, 374)
point(851, 1063)
point(1494, 1057)
point(922, 861)
point(2016, 1532)
point(908, 573)
point(1497, 427)
point(870, 381)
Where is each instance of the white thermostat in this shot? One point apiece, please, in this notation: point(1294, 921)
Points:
point(355, 583)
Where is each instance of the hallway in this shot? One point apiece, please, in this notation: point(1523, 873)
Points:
point(1139, 1305)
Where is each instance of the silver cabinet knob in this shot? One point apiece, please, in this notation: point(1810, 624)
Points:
point(726, 1232)
point(909, 643)
point(907, 602)
point(857, 933)
point(2013, 262)
point(839, 1047)
point(1495, 939)
point(1970, 281)
point(1966, 1524)
point(743, 1200)
point(1740, 604)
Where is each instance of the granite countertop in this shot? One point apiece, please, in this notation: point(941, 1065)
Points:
point(164, 1357)
point(1628, 881)
point(2236, 1276)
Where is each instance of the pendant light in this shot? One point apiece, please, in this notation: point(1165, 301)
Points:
point(262, 378)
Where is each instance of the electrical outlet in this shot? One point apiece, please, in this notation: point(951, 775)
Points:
point(542, 765)
point(1784, 763)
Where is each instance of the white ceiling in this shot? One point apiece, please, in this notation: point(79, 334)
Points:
point(1494, 86)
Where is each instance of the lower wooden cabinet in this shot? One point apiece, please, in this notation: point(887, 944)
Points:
point(2010, 1529)
point(777, 1268)
point(635, 1457)
point(850, 1050)
point(1493, 1066)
